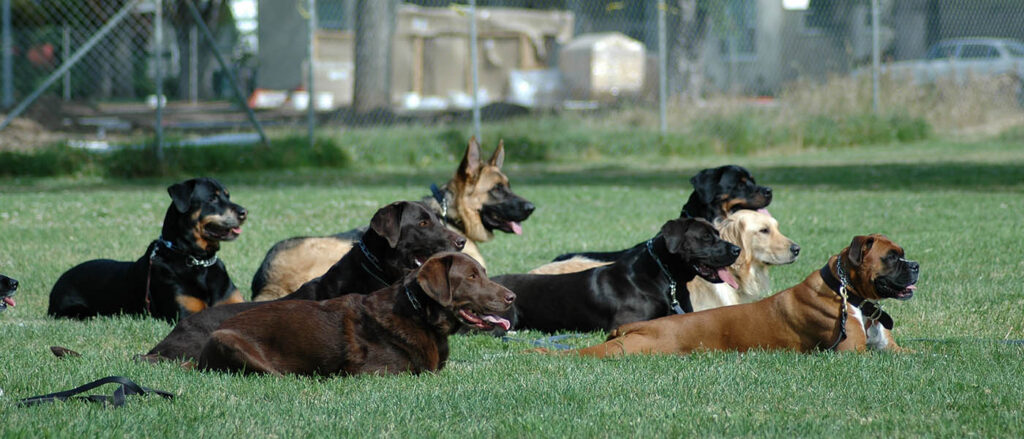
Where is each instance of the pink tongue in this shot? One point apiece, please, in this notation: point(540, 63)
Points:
point(9, 301)
point(516, 228)
point(497, 321)
point(726, 277)
point(764, 211)
point(237, 230)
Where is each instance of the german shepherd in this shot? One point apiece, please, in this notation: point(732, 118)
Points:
point(474, 203)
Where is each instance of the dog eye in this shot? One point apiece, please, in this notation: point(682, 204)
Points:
point(424, 223)
point(765, 230)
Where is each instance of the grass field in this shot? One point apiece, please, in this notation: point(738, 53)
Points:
point(954, 207)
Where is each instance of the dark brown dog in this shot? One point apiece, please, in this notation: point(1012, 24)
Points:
point(401, 237)
point(834, 308)
point(474, 203)
point(402, 328)
point(178, 275)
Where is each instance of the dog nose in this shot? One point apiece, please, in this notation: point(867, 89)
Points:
point(459, 242)
point(14, 283)
point(914, 266)
point(795, 249)
point(509, 297)
point(242, 213)
point(528, 207)
point(734, 250)
point(768, 191)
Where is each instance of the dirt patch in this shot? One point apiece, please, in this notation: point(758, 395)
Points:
point(26, 134)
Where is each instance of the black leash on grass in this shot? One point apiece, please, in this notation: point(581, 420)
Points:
point(546, 342)
point(126, 387)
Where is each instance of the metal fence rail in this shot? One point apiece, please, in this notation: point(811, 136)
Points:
point(305, 63)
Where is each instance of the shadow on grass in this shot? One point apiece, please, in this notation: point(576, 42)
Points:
point(887, 176)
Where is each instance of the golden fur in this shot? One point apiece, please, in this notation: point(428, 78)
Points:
point(761, 246)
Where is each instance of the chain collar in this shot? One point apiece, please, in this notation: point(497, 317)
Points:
point(412, 299)
point(373, 261)
point(671, 280)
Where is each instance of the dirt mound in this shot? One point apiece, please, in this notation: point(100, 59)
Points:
point(25, 134)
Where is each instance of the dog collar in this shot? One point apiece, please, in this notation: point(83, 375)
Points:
point(671, 280)
point(412, 299)
point(190, 260)
point(869, 308)
point(373, 261)
point(442, 201)
point(839, 287)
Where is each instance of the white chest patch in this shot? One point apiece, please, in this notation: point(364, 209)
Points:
point(875, 337)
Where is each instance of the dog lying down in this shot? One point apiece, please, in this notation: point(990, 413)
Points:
point(401, 328)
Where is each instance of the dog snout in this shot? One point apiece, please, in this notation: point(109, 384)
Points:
point(11, 283)
point(241, 212)
point(528, 208)
point(458, 242)
point(795, 249)
point(509, 297)
point(734, 250)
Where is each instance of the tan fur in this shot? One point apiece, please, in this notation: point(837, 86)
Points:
point(759, 251)
point(192, 304)
point(572, 265)
point(308, 260)
point(234, 297)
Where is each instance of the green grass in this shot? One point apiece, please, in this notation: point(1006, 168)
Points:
point(954, 207)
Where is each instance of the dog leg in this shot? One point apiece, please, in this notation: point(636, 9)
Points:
point(229, 350)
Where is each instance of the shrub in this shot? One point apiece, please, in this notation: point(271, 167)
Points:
point(45, 162)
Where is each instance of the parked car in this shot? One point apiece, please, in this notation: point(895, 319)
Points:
point(961, 59)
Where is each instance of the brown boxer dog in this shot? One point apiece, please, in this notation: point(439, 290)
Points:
point(833, 308)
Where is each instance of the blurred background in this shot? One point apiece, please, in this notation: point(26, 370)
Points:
point(89, 71)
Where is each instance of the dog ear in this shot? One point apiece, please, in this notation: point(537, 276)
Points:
point(386, 222)
point(433, 278)
point(704, 185)
point(858, 248)
point(181, 194)
point(471, 161)
point(733, 230)
point(674, 232)
point(498, 158)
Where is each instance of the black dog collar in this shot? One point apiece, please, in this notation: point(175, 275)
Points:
point(442, 200)
point(870, 309)
point(373, 261)
point(190, 260)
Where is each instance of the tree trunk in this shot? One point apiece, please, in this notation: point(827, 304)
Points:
point(375, 27)
point(686, 54)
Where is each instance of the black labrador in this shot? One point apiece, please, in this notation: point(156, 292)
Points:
point(648, 281)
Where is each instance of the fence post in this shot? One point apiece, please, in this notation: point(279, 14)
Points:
point(64, 54)
point(310, 88)
point(158, 25)
point(7, 48)
point(875, 56)
point(662, 70)
point(475, 69)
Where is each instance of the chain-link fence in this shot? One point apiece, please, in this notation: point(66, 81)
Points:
point(92, 66)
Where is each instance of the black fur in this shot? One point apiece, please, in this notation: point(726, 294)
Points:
point(200, 216)
point(8, 286)
point(633, 288)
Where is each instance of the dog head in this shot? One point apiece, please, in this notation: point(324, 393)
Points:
point(877, 268)
point(8, 287)
point(202, 214)
point(718, 192)
point(695, 245)
point(460, 285)
point(759, 238)
point(404, 234)
point(484, 201)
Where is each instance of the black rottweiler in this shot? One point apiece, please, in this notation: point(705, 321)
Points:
point(401, 237)
point(717, 192)
point(178, 275)
point(648, 281)
point(8, 287)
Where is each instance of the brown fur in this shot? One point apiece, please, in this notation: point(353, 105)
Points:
point(470, 188)
point(802, 318)
point(762, 245)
